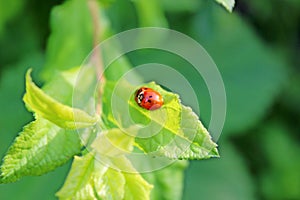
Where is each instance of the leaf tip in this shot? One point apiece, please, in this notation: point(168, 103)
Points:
point(28, 75)
point(215, 153)
point(228, 4)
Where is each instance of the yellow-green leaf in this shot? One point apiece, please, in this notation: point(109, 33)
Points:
point(89, 179)
point(173, 131)
point(41, 147)
point(56, 112)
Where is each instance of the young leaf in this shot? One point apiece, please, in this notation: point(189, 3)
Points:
point(56, 112)
point(168, 182)
point(228, 4)
point(88, 179)
point(173, 130)
point(40, 148)
point(43, 144)
point(136, 187)
point(113, 142)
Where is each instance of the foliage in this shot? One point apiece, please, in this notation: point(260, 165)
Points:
point(255, 48)
point(49, 141)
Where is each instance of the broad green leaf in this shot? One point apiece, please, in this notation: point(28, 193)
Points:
point(13, 114)
point(177, 131)
point(56, 112)
point(168, 182)
point(89, 179)
point(42, 140)
point(219, 179)
point(80, 182)
point(228, 4)
point(181, 134)
point(40, 148)
point(12, 117)
point(71, 39)
point(33, 187)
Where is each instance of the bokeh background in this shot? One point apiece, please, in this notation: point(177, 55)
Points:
point(256, 49)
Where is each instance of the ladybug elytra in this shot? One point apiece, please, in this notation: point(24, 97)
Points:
point(148, 98)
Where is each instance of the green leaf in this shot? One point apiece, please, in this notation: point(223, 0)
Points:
point(58, 113)
point(71, 39)
point(40, 148)
point(178, 133)
point(43, 144)
point(136, 187)
point(168, 182)
point(80, 181)
point(13, 114)
point(253, 78)
point(89, 179)
point(228, 4)
point(113, 142)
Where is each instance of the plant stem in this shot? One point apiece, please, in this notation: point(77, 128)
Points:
point(96, 57)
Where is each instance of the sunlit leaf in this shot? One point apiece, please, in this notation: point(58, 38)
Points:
point(175, 131)
point(47, 107)
point(228, 4)
point(89, 179)
point(40, 148)
point(168, 182)
point(113, 142)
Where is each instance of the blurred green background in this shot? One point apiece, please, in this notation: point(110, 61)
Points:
point(256, 49)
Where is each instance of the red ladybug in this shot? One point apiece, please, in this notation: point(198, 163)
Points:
point(148, 98)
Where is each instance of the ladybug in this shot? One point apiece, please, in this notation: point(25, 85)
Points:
point(148, 98)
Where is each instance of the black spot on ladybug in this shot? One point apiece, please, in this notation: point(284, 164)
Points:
point(149, 101)
point(150, 97)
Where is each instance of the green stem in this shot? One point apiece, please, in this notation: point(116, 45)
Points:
point(96, 57)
